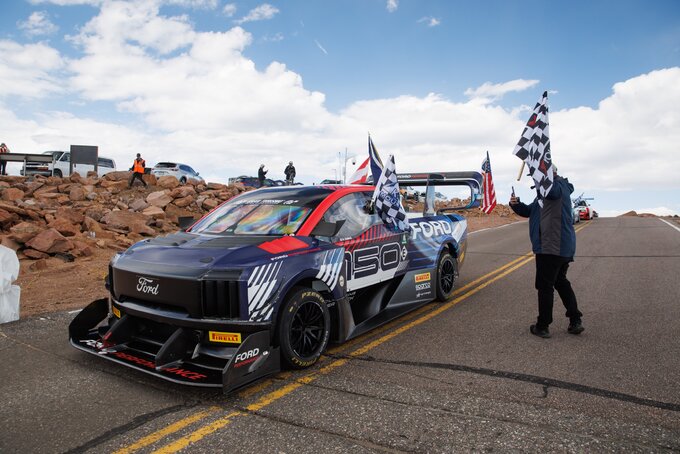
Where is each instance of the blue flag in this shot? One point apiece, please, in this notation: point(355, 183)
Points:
point(376, 163)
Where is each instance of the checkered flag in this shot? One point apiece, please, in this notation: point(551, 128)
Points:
point(387, 199)
point(534, 148)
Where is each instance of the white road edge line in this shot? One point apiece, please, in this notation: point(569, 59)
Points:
point(493, 228)
point(674, 226)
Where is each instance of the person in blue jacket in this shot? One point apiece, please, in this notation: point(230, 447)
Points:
point(553, 240)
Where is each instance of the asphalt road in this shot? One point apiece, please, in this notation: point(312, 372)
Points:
point(458, 376)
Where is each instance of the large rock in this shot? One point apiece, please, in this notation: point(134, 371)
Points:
point(150, 179)
point(154, 212)
point(114, 185)
point(141, 228)
point(24, 231)
point(71, 214)
point(50, 241)
point(184, 201)
point(216, 186)
point(182, 191)
point(168, 182)
point(65, 227)
point(159, 198)
point(123, 219)
point(116, 176)
point(76, 194)
point(138, 205)
point(7, 218)
point(210, 204)
point(12, 194)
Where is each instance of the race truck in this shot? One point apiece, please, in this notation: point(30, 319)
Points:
point(269, 278)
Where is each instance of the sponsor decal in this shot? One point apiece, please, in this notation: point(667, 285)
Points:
point(249, 356)
point(225, 338)
point(422, 277)
point(423, 286)
point(184, 373)
point(181, 372)
point(115, 311)
point(428, 229)
point(148, 286)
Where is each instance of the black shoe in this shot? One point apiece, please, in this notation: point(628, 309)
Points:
point(540, 332)
point(575, 327)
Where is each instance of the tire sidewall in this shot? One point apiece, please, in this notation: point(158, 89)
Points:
point(441, 294)
point(294, 302)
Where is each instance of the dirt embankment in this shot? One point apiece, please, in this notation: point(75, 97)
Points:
point(65, 230)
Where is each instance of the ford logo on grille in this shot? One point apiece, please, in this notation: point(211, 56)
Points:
point(148, 286)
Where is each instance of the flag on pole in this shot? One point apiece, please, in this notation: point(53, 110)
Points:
point(387, 199)
point(376, 163)
point(534, 148)
point(489, 201)
point(361, 174)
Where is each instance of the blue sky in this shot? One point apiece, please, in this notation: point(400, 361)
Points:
point(225, 85)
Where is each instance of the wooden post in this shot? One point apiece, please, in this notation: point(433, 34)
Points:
point(521, 169)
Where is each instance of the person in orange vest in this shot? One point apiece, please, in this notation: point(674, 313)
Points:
point(138, 166)
point(3, 164)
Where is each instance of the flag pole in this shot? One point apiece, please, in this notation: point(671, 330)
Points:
point(521, 169)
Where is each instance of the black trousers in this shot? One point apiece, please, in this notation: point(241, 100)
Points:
point(551, 275)
point(136, 176)
point(3, 167)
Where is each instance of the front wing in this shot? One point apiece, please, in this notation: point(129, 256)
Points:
point(180, 358)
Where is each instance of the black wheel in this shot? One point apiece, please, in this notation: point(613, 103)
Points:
point(57, 173)
point(304, 328)
point(446, 276)
point(183, 180)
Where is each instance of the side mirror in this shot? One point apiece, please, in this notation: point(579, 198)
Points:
point(327, 229)
point(185, 222)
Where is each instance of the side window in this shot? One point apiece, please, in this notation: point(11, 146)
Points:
point(103, 162)
point(66, 157)
point(351, 209)
point(183, 167)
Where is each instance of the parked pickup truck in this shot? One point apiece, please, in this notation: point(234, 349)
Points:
point(60, 167)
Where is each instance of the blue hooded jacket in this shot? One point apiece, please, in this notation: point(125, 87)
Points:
point(551, 228)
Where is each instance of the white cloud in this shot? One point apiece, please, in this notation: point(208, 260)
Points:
point(37, 24)
point(318, 44)
point(30, 70)
point(430, 21)
point(392, 5)
point(492, 92)
point(229, 9)
point(262, 12)
point(197, 4)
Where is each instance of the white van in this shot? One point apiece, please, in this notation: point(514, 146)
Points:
point(61, 166)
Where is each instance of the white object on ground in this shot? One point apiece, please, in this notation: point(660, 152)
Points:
point(9, 294)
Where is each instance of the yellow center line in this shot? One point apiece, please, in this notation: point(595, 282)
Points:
point(172, 428)
point(197, 435)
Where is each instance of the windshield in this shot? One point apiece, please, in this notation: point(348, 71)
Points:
point(255, 217)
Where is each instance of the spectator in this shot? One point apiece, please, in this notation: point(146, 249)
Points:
point(261, 173)
point(138, 167)
point(3, 164)
point(290, 174)
point(553, 240)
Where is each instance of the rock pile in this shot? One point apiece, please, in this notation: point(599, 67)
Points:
point(68, 217)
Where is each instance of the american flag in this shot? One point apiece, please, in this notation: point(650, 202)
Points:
point(534, 148)
point(361, 174)
point(489, 201)
point(387, 199)
point(376, 163)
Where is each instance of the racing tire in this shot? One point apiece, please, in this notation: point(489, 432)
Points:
point(304, 328)
point(57, 173)
point(446, 276)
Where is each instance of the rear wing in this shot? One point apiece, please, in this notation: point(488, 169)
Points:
point(430, 180)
